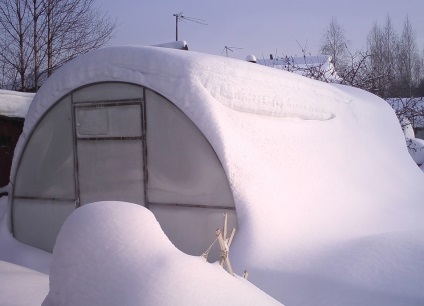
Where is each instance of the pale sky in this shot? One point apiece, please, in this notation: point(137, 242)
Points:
point(259, 27)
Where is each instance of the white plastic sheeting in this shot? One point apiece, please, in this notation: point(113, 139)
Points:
point(110, 169)
point(182, 166)
point(45, 172)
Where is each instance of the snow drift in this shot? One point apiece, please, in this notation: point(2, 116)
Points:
point(114, 253)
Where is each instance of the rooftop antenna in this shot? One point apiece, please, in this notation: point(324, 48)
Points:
point(226, 49)
point(180, 17)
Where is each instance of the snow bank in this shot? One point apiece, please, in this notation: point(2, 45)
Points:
point(14, 104)
point(21, 286)
point(114, 253)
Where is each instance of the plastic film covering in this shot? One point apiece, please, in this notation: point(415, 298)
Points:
point(109, 146)
point(47, 165)
point(108, 121)
point(182, 166)
point(107, 92)
point(106, 154)
point(38, 222)
point(111, 170)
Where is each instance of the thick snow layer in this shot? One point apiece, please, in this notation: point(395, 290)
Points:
point(20, 286)
point(114, 253)
point(383, 269)
point(329, 201)
point(14, 104)
point(181, 44)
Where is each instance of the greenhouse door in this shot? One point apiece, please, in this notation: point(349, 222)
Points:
point(109, 148)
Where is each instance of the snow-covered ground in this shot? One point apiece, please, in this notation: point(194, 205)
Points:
point(329, 201)
point(21, 286)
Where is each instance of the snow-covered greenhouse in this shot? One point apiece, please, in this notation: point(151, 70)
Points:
point(315, 176)
point(96, 136)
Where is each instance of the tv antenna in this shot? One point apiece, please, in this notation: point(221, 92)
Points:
point(231, 49)
point(180, 17)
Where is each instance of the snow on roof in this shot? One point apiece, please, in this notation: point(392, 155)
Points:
point(316, 60)
point(318, 66)
point(316, 170)
point(180, 44)
point(14, 104)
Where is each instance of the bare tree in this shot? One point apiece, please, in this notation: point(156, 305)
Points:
point(382, 47)
point(15, 52)
point(334, 44)
point(36, 8)
point(42, 35)
point(390, 42)
point(408, 60)
point(74, 27)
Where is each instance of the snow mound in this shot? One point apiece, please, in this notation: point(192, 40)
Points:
point(14, 104)
point(114, 253)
